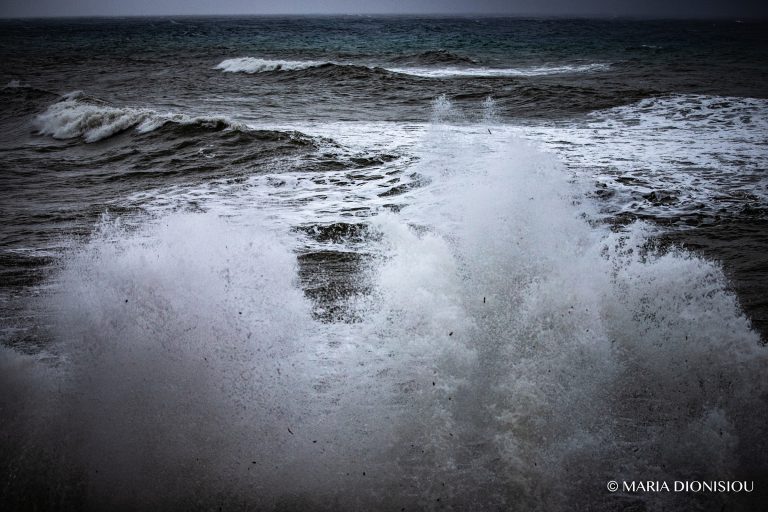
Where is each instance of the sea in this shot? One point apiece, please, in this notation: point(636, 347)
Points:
point(383, 263)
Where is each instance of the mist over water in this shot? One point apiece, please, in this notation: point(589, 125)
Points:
point(215, 303)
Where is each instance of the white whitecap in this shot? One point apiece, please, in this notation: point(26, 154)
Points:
point(77, 116)
point(256, 65)
point(498, 72)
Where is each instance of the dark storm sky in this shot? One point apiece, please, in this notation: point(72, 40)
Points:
point(641, 8)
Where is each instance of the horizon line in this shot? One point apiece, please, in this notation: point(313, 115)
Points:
point(588, 16)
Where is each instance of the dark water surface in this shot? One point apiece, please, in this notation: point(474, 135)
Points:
point(382, 263)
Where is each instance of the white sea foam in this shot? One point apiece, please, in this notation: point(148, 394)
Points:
point(709, 152)
point(302, 196)
point(455, 71)
point(256, 65)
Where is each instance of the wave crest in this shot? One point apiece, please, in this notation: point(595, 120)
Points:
point(486, 72)
point(432, 64)
point(78, 115)
point(434, 57)
point(255, 65)
point(93, 120)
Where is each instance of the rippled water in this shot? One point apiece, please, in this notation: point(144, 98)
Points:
point(381, 263)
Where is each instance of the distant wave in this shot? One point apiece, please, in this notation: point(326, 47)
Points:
point(645, 47)
point(431, 72)
point(434, 57)
point(23, 91)
point(253, 65)
point(327, 69)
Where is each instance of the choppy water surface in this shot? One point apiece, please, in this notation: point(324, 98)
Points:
point(381, 263)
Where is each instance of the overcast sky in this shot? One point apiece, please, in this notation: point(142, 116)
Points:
point(644, 8)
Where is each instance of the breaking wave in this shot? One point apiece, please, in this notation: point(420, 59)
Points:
point(488, 72)
point(77, 115)
point(423, 65)
point(256, 65)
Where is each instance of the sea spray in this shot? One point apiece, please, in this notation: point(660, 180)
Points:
point(443, 111)
point(172, 337)
point(583, 342)
point(506, 354)
point(490, 111)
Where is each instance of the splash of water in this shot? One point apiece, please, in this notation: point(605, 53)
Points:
point(490, 111)
point(508, 354)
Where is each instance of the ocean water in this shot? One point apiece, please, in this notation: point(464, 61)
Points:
point(382, 263)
